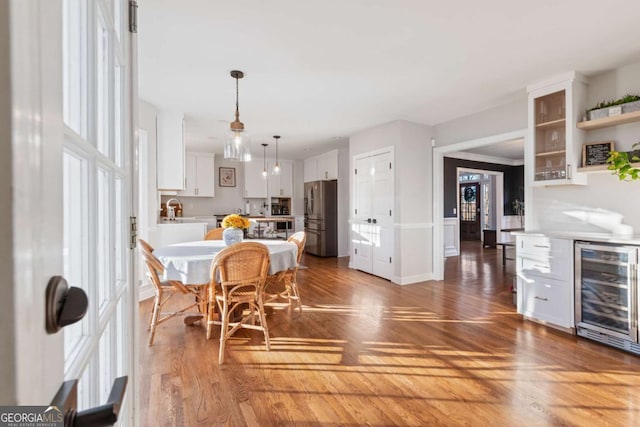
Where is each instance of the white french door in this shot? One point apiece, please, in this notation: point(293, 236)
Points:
point(97, 189)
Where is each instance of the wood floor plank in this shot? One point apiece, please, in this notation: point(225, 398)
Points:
point(369, 352)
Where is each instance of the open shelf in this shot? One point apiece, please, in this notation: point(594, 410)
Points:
point(551, 153)
point(601, 168)
point(610, 121)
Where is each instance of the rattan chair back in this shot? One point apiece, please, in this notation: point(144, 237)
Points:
point(215, 234)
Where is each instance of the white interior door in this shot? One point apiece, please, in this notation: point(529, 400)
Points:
point(361, 238)
point(372, 223)
point(71, 93)
point(31, 361)
point(382, 207)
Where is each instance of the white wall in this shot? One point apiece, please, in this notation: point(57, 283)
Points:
point(147, 121)
point(413, 212)
point(343, 201)
point(502, 119)
point(7, 339)
point(603, 191)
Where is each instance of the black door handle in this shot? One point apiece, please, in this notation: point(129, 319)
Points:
point(107, 414)
point(100, 416)
point(375, 221)
point(369, 220)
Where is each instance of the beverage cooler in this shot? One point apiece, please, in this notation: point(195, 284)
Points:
point(607, 294)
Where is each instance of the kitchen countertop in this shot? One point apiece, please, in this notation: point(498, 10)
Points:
point(583, 235)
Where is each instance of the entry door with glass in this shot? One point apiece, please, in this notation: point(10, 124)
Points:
point(470, 211)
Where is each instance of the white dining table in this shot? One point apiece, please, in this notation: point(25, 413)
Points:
point(190, 262)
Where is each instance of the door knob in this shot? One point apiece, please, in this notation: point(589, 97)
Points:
point(64, 305)
point(375, 221)
point(369, 220)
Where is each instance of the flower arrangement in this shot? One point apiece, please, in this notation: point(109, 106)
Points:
point(235, 221)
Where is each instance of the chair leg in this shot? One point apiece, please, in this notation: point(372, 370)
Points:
point(263, 323)
point(223, 331)
point(296, 294)
point(210, 312)
point(154, 319)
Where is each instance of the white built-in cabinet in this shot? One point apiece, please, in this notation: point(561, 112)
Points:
point(255, 185)
point(372, 238)
point(321, 168)
point(170, 150)
point(280, 185)
point(199, 175)
point(554, 149)
point(545, 288)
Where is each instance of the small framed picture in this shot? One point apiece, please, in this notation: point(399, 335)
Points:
point(596, 153)
point(227, 177)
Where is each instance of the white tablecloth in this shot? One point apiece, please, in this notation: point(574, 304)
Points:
point(190, 262)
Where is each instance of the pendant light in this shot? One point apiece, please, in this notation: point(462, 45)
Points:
point(264, 157)
point(276, 167)
point(237, 145)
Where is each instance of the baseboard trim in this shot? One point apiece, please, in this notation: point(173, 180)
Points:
point(417, 278)
point(145, 292)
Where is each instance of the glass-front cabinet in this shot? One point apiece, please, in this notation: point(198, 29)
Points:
point(555, 144)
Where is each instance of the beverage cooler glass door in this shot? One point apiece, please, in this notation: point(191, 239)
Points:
point(606, 289)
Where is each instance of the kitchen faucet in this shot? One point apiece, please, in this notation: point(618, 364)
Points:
point(171, 213)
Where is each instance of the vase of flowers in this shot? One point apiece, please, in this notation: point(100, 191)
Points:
point(234, 226)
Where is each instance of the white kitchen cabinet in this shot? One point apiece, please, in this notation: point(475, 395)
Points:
point(281, 185)
point(544, 269)
point(372, 238)
point(199, 175)
point(321, 168)
point(170, 233)
point(554, 149)
point(255, 185)
point(170, 150)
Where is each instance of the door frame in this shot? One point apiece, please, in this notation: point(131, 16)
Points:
point(499, 195)
point(438, 189)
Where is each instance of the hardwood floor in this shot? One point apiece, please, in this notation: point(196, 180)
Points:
point(368, 352)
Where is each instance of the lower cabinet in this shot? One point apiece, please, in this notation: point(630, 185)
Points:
point(545, 286)
point(171, 233)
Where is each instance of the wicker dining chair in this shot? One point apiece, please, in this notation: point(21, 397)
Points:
point(164, 290)
point(241, 271)
point(145, 246)
point(215, 234)
point(289, 278)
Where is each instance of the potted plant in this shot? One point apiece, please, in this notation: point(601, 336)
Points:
point(621, 163)
point(627, 104)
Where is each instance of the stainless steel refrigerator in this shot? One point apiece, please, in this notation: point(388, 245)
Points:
point(321, 217)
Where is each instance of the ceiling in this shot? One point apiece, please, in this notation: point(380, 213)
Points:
point(317, 72)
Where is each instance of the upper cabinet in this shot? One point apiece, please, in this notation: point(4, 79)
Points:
point(281, 185)
point(170, 150)
point(200, 175)
point(255, 186)
point(321, 168)
point(555, 143)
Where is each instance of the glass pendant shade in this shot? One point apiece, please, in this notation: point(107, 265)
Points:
point(276, 167)
point(237, 146)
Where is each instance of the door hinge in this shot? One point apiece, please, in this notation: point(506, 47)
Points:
point(389, 212)
point(389, 260)
point(356, 249)
point(389, 165)
point(133, 16)
point(356, 211)
point(356, 171)
point(133, 229)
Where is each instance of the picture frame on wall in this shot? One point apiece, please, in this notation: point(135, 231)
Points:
point(227, 177)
